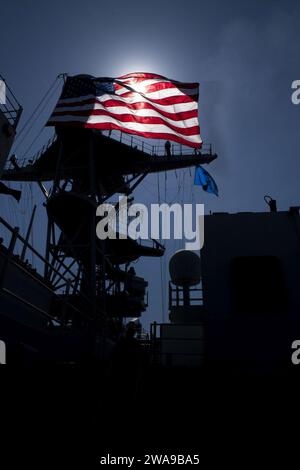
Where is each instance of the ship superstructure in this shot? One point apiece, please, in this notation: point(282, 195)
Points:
point(85, 290)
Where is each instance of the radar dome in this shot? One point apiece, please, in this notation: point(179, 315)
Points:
point(184, 268)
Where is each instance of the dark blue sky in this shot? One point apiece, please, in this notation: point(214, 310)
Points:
point(244, 54)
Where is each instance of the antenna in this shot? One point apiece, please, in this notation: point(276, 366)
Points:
point(272, 203)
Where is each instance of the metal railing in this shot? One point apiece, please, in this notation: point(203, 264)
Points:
point(156, 149)
point(11, 256)
point(26, 161)
point(136, 143)
point(11, 109)
point(177, 296)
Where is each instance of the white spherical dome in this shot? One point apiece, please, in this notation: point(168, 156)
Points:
point(185, 268)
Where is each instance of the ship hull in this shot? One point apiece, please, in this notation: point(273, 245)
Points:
point(26, 321)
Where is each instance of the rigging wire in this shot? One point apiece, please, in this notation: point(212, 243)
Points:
point(182, 200)
point(13, 210)
point(164, 260)
point(31, 116)
point(32, 229)
point(43, 127)
point(152, 193)
point(161, 266)
point(179, 179)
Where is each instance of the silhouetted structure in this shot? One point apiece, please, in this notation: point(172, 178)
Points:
point(74, 309)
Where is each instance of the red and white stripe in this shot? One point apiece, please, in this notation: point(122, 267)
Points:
point(144, 104)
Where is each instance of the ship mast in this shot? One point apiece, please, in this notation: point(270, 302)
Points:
point(10, 113)
point(86, 168)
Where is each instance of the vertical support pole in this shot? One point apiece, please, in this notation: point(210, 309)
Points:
point(93, 227)
point(11, 248)
point(186, 296)
point(93, 278)
point(170, 295)
point(49, 226)
point(154, 343)
point(58, 169)
point(64, 307)
point(47, 254)
point(28, 234)
point(13, 240)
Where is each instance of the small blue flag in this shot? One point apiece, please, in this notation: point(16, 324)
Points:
point(204, 179)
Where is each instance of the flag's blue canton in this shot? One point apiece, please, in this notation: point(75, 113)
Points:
point(103, 88)
point(82, 85)
point(204, 179)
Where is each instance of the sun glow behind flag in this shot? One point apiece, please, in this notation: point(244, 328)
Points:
point(144, 104)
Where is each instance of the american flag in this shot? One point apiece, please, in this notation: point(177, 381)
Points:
point(144, 104)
